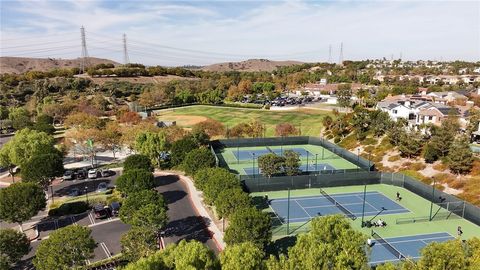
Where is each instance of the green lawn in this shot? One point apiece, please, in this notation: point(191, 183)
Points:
point(414, 203)
point(309, 121)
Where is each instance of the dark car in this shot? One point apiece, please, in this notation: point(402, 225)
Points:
point(115, 208)
point(101, 211)
point(81, 174)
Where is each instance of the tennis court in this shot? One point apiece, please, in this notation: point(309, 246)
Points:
point(398, 248)
point(311, 168)
point(302, 209)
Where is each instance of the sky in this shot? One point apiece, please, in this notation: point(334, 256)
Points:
point(175, 33)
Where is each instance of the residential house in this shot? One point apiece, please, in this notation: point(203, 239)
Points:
point(435, 113)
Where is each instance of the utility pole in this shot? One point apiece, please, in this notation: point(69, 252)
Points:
point(340, 59)
point(126, 60)
point(83, 60)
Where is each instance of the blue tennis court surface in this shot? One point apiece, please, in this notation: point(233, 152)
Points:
point(301, 151)
point(303, 167)
point(305, 208)
point(408, 246)
point(243, 155)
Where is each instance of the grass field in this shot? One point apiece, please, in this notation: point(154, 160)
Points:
point(309, 121)
point(318, 155)
point(412, 202)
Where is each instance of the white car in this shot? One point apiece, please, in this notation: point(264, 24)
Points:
point(92, 174)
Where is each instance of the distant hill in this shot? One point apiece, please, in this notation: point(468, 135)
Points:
point(250, 65)
point(23, 64)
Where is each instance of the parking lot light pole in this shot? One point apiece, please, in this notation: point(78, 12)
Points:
point(86, 193)
point(253, 164)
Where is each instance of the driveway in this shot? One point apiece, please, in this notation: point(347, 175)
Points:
point(184, 221)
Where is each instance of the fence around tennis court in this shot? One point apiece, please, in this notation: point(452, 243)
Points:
point(361, 162)
point(447, 202)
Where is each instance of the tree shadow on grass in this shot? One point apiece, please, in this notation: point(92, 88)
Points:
point(189, 228)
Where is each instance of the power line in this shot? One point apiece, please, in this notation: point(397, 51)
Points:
point(340, 59)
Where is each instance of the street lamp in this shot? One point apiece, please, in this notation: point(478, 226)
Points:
point(86, 193)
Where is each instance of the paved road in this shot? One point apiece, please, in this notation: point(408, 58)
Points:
point(184, 222)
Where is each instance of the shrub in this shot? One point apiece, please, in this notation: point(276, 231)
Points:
point(440, 166)
point(370, 141)
point(137, 162)
point(337, 139)
point(180, 149)
point(394, 158)
point(71, 208)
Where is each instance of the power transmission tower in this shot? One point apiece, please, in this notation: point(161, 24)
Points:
point(84, 57)
point(126, 60)
point(340, 59)
point(330, 53)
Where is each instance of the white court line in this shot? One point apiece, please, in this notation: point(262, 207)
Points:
point(105, 249)
point(315, 197)
point(414, 240)
point(302, 208)
point(275, 212)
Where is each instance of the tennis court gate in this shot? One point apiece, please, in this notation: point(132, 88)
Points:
point(218, 145)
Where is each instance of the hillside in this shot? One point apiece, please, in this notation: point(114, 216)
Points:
point(250, 65)
point(24, 64)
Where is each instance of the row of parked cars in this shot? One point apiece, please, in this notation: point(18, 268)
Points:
point(83, 173)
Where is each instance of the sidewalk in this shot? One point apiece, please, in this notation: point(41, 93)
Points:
point(195, 198)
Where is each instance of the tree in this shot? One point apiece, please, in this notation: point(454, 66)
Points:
point(198, 159)
point(153, 145)
point(145, 208)
point(331, 244)
point(397, 131)
point(190, 255)
point(344, 95)
point(137, 162)
point(13, 246)
point(285, 129)
point(42, 169)
point(255, 128)
point(445, 255)
point(219, 180)
point(184, 255)
point(249, 224)
point(292, 162)
point(44, 123)
point(270, 164)
point(211, 127)
point(135, 180)
point(410, 144)
point(180, 149)
point(5, 160)
point(244, 256)
point(199, 136)
point(230, 200)
point(66, 248)
point(83, 120)
point(21, 201)
point(460, 156)
point(27, 143)
point(431, 154)
point(110, 137)
point(139, 242)
point(443, 136)
point(20, 118)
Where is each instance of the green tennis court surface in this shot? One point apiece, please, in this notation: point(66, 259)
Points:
point(244, 160)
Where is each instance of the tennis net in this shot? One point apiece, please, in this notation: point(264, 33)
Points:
point(388, 246)
point(337, 204)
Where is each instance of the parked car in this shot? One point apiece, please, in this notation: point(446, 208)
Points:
point(115, 208)
point(74, 192)
point(101, 211)
point(81, 174)
point(105, 173)
point(68, 175)
point(92, 174)
point(102, 187)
